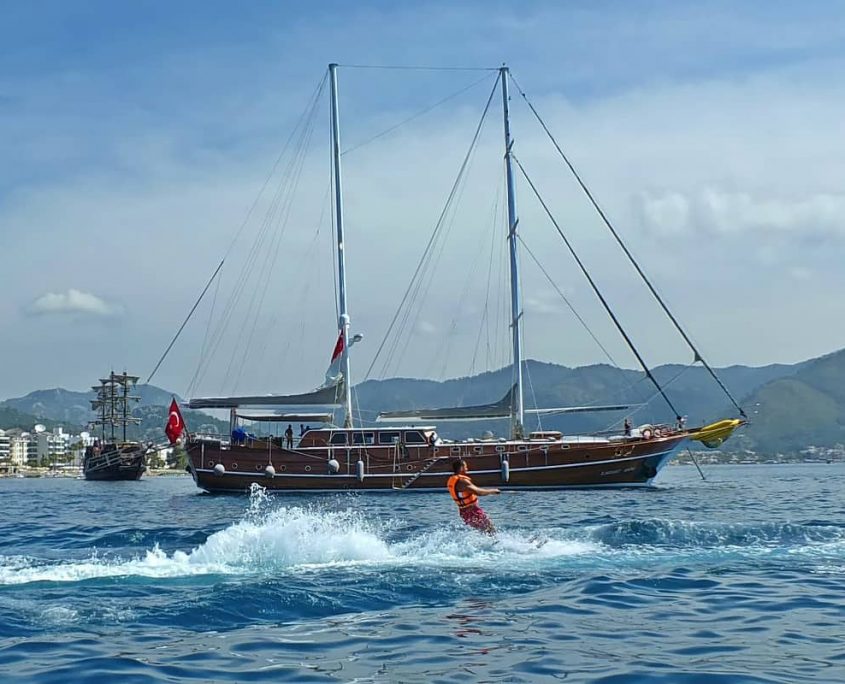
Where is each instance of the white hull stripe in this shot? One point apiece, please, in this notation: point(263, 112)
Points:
point(412, 473)
point(429, 490)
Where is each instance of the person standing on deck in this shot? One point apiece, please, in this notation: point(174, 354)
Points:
point(466, 494)
point(289, 437)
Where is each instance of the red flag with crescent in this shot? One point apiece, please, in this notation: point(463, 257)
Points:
point(175, 424)
point(333, 373)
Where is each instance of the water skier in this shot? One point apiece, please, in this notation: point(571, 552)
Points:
point(466, 494)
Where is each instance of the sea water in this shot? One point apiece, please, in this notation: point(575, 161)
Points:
point(739, 578)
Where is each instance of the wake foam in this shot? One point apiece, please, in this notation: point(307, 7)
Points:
point(269, 541)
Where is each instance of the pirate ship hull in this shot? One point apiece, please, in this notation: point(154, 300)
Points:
point(115, 462)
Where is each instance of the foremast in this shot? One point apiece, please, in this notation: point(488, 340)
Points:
point(343, 314)
point(517, 404)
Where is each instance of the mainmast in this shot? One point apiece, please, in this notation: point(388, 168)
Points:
point(113, 403)
point(343, 319)
point(517, 407)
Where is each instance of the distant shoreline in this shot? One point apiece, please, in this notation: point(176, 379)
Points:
point(31, 473)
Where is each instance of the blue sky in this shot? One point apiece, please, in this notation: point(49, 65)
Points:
point(136, 137)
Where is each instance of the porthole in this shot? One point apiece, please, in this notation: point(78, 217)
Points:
point(410, 467)
point(477, 449)
point(307, 469)
point(500, 448)
point(211, 464)
point(456, 450)
point(283, 468)
point(234, 466)
point(258, 466)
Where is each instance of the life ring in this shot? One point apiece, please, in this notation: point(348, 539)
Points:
point(647, 434)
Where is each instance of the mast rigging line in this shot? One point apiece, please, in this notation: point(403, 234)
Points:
point(420, 113)
point(566, 300)
point(204, 347)
point(484, 324)
point(428, 248)
point(595, 287)
point(314, 96)
point(644, 404)
point(423, 285)
point(282, 213)
point(412, 67)
point(187, 318)
point(697, 356)
point(229, 308)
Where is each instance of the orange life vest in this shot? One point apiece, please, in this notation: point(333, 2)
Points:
point(464, 499)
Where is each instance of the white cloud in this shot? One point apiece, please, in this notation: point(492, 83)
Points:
point(800, 273)
point(73, 302)
point(427, 328)
point(719, 212)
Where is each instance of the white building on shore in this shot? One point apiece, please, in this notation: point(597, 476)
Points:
point(5, 449)
point(52, 447)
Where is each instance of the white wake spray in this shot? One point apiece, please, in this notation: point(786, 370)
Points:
point(269, 541)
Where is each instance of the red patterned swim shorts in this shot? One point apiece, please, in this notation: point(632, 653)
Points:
point(476, 518)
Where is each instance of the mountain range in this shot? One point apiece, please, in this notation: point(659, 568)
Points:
point(790, 406)
point(72, 410)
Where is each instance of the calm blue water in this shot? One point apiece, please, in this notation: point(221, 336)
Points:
point(737, 579)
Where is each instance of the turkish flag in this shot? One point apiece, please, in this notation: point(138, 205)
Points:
point(175, 425)
point(333, 373)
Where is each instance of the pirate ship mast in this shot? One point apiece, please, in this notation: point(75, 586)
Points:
point(110, 459)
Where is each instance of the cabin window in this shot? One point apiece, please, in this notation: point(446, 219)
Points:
point(388, 437)
point(366, 438)
point(338, 438)
point(414, 437)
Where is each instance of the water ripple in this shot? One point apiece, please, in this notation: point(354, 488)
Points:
point(721, 581)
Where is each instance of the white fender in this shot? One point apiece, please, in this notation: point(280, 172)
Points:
point(506, 470)
point(359, 470)
point(219, 469)
point(334, 466)
point(270, 471)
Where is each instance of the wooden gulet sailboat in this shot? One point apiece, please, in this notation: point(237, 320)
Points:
point(413, 456)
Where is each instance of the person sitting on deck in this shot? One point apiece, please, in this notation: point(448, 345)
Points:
point(466, 494)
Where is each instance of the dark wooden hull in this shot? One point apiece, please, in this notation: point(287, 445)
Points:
point(126, 462)
point(530, 465)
